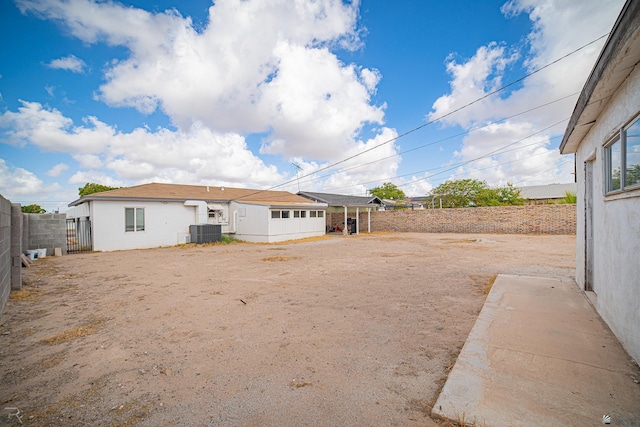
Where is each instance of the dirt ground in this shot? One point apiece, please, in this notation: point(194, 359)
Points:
point(346, 330)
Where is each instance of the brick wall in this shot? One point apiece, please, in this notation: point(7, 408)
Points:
point(45, 231)
point(533, 219)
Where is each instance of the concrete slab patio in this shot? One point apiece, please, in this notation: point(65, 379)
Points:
point(539, 355)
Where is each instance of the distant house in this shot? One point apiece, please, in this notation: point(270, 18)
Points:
point(543, 194)
point(343, 211)
point(152, 215)
point(604, 135)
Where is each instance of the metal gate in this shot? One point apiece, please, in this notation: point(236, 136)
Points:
point(79, 238)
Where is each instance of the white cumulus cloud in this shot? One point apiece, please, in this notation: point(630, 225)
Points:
point(58, 169)
point(69, 63)
point(244, 72)
point(473, 78)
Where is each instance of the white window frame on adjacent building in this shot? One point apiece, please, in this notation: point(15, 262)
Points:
point(134, 221)
point(622, 159)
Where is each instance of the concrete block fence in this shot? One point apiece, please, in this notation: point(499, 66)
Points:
point(45, 231)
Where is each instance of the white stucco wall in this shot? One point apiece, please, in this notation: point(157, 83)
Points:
point(254, 224)
point(166, 224)
point(616, 226)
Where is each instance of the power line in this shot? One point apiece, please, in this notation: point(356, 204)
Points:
point(500, 150)
point(435, 119)
point(442, 140)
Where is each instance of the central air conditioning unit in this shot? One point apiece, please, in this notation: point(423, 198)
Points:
point(205, 233)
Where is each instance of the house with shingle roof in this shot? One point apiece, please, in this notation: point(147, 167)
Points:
point(343, 211)
point(155, 214)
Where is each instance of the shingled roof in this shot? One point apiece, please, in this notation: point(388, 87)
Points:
point(177, 192)
point(341, 199)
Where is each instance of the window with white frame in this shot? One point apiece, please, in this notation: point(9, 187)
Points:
point(275, 214)
point(320, 214)
point(286, 214)
point(296, 214)
point(622, 159)
point(312, 214)
point(133, 220)
point(303, 214)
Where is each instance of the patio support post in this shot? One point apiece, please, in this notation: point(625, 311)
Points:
point(345, 230)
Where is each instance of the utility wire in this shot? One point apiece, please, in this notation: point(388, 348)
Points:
point(457, 165)
point(435, 119)
point(441, 140)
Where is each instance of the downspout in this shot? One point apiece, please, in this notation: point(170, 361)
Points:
point(202, 211)
point(234, 223)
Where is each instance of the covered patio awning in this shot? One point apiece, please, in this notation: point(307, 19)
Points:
point(346, 203)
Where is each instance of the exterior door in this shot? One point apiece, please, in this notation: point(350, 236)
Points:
point(588, 226)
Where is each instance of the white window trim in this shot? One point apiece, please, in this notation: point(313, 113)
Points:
point(135, 219)
point(619, 136)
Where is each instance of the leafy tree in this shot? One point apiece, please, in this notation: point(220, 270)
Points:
point(510, 195)
point(468, 192)
point(92, 187)
point(388, 191)
point(37, 209)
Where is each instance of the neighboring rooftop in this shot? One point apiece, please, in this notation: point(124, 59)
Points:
point(341, 199)
point(549, 191)
point(177, 192)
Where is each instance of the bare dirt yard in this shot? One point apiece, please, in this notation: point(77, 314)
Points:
point(350, 331)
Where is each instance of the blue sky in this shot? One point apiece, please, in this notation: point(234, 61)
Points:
point(236, 93)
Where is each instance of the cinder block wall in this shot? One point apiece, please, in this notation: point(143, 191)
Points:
point(45, 231)
point(5, 251)
point(533, 219)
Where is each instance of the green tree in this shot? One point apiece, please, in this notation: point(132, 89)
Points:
point(468, 192)
point(36, 209)
point(92, 187)
point(510, 195)
point(388, 191)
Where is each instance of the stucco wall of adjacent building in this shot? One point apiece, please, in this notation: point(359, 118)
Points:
point(254, 224)
point(616, 225)
point(166, 224)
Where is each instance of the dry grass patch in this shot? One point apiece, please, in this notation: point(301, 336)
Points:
point(25, 294)
point(450, 240)
point(71, 334)
point(484, 282)
point(279, 258)
point(305, 240)
point(298, 384)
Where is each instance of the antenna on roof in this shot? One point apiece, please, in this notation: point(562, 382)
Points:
point(298, 169)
